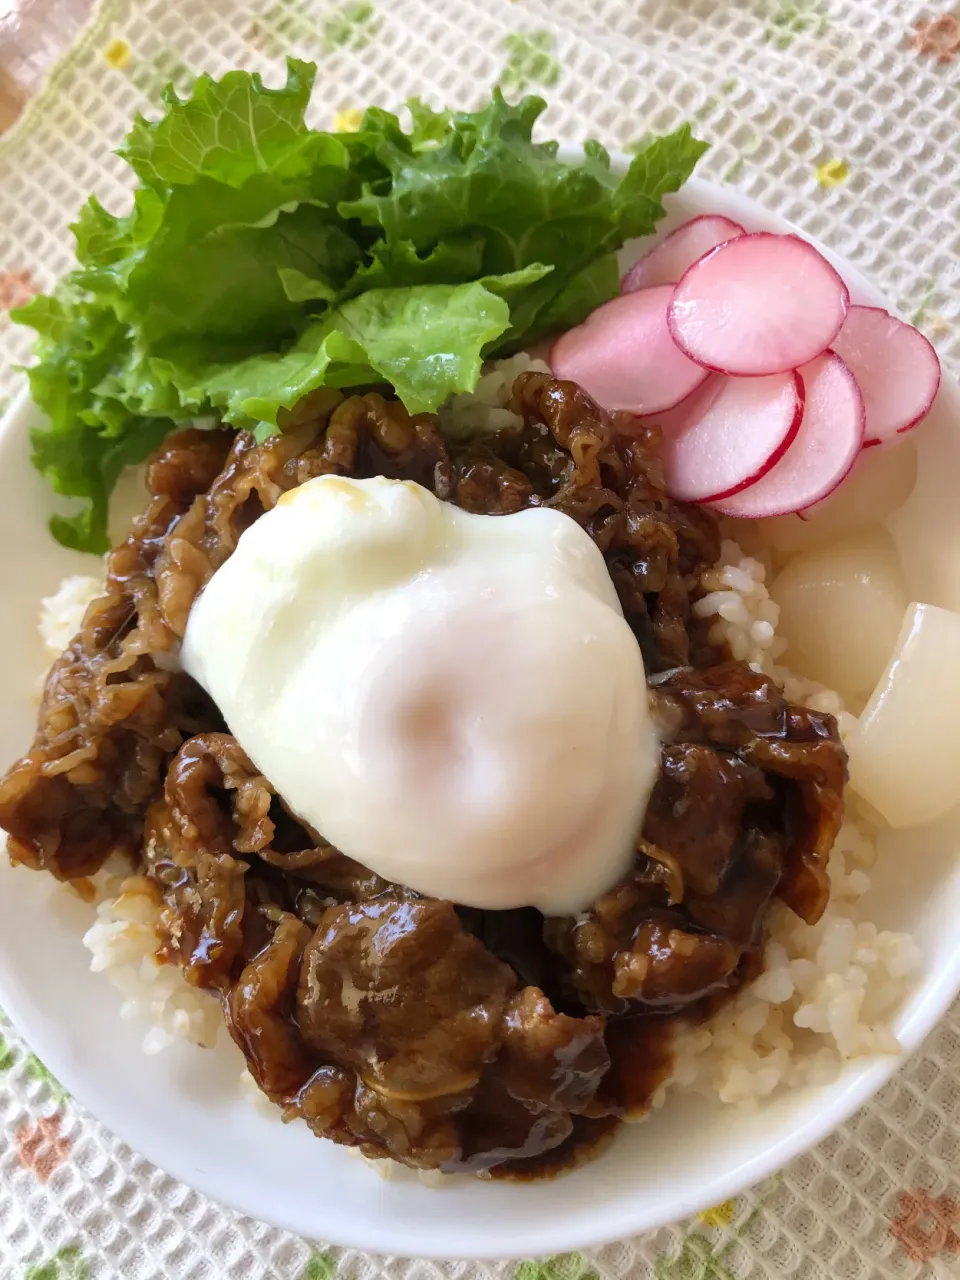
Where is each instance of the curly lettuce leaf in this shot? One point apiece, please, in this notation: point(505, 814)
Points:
point(228, 130)
point(379, 336)
point(104, 460)
point(238, 188)
point(226, 289)
point(262, 260)
point(661, 168)
point(453, 261)
point(426, 341)
point(487, 173)
point(430, 127)
point(534, 318)
point(84, 446)
point(483, 170)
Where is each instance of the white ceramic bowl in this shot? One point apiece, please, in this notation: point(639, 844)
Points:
point(182, 1109)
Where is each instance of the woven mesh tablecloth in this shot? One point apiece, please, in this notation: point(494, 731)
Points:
point(839, 114)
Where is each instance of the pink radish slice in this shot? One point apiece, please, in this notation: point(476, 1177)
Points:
point(667, 419)
point(667, 261)
point(624, 357)
point(759, 304)
point(897, 370)
point(824, 450)
point(734, 432)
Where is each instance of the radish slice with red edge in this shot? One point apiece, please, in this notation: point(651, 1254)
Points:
point(636, 424)
point(667, 262)
point(734, 431)
point(624, 357)
point(821, 455)
point(897, 370)
point(757, 305)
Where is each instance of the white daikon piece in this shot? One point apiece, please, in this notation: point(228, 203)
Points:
point(880, 482)
point(905, 751)
point(927, 527)
point(840, 612)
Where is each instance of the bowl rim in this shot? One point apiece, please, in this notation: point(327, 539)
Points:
point(841, 1097)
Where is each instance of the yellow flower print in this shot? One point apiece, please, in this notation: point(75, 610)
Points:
point(721, 1215)
point(348, 120)
point(118, 54)
point(833, 173)
point(936, 327)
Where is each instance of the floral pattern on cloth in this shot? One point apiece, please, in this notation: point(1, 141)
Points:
point(836, 113)
point(938, 37)
point(40, 1147)
point(791, 18)
point(927, 1226)
point(530, 61)
point(67, 1263)
point(16, 288)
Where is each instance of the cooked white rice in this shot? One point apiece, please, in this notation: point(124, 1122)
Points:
point(825, 996)
point(62, 613)
point(124, 942)
point(746, 619)
point(827, 991)
point(485, 409)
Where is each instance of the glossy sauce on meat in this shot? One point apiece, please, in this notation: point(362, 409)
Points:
point(499, 1043)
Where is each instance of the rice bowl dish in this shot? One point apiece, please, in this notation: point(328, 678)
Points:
point(845, 975)
point(815, 996)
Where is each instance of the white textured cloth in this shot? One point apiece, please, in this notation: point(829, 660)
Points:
point(839, 114)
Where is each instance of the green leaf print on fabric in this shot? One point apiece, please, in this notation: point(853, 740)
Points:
point(530, 60)
point(286, 24)
point(711, 104)
point(66, 1264)
point(787, 19)
point(923, 306)
point(8, 1055)
point(697, 1260)
point(750, 148)
point(283, 25)
point(701, 1258)
point(36, 1070)
point(566, 1266)
point(153, 75)
point(715, 100)
point(321, 1265)
point(352, 24)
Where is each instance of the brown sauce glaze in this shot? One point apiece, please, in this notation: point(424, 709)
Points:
point(498, 1043)
point(587, 1141)
point(641, 1059)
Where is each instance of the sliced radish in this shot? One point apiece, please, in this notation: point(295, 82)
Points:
point(824, 450)
point(624, 357)
point(734, 431)
point(897, 370)
point(667, 419)
point(759, 304)
point(672, 257)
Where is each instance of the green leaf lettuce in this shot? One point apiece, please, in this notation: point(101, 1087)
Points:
point(263, 259)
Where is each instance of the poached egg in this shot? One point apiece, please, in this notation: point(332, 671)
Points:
point(454, 700)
